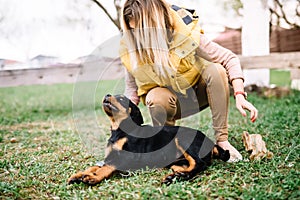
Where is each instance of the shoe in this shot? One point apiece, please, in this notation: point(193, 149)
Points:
point(235, 156)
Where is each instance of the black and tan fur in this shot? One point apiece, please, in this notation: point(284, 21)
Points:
point(135, 146)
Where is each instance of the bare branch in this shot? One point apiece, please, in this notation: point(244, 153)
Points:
point(115, 21)
point(272, 11)
point(283, 15)
point(298, 9)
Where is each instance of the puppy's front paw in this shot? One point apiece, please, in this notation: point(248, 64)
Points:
point(90, 179)
point(76, 178)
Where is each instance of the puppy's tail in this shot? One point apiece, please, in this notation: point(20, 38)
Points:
point(220, 153)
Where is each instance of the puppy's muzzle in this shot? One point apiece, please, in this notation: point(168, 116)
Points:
point(108, 107)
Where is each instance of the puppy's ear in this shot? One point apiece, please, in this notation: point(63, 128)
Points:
point(136, 114)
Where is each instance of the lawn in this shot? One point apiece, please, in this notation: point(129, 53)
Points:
point(49, 132)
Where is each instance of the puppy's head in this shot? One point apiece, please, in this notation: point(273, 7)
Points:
point(119, 108)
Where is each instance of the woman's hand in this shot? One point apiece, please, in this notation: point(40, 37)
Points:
point(242, 105)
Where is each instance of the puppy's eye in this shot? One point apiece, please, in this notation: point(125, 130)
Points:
point(121, 99)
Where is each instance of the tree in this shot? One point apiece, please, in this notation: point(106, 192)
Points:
point(279, 13)
point(280, 10)
point(236, 5)
point(117, 4)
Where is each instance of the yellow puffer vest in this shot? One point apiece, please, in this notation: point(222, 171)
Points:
point(181, 53)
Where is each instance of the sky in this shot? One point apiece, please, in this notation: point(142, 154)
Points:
point(66, 29)
point(73, 28)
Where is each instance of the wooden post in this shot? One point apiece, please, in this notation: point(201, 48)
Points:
point(295, 77)
point(255, 39)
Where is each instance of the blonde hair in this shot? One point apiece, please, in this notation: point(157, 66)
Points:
point(148, 42)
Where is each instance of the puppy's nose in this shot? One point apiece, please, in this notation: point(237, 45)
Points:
point(106, 98)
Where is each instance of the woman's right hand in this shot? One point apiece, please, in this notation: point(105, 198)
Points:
point(242, 104)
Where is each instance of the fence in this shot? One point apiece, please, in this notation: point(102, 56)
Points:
point(62, 73)
point(93, 71)
point(281, 40)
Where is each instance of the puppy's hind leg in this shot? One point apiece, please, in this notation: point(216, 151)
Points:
point(220, 153)
point(195, 165)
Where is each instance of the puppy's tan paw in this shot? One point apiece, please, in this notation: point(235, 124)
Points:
point(90, 179)
point(76, 178)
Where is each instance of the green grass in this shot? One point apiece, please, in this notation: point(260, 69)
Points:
point(280, 77)
point(58, 134)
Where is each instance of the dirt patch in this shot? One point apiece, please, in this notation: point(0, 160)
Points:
point(44, 126)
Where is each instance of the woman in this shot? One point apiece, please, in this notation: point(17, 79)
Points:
point(176, 71)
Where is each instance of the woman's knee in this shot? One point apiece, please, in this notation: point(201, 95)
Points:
point(215, 71)
point(161, 96)
point(216, 79)
point(162, 104)
point(223, 73)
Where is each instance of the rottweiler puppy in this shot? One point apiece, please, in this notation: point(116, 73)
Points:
point(133, 146)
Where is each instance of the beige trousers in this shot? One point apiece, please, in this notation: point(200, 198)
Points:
point(212, 90)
